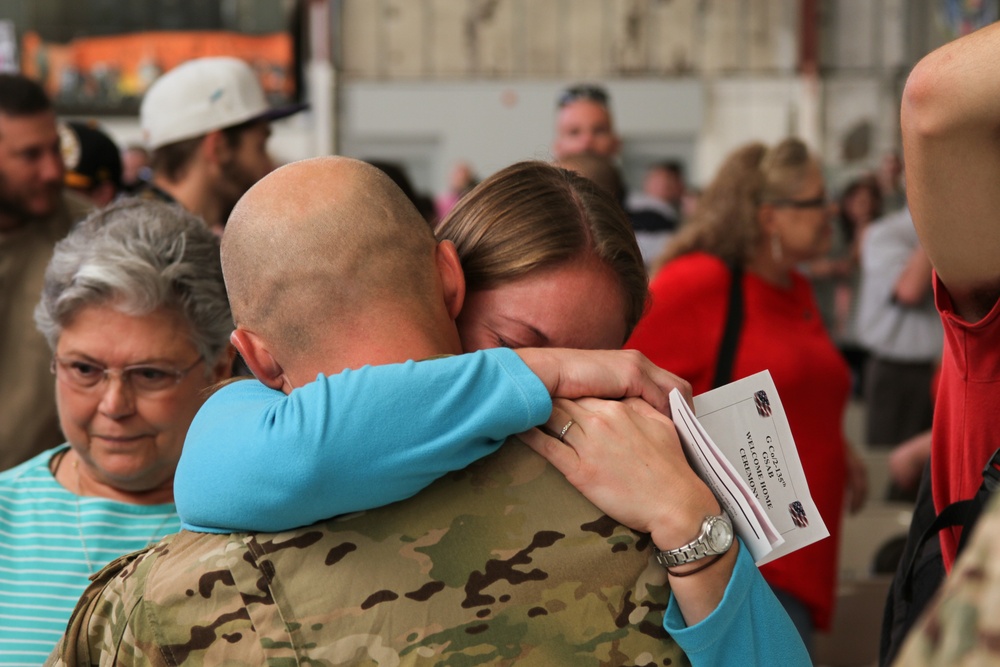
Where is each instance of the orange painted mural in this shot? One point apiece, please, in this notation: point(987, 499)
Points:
point(112, 73)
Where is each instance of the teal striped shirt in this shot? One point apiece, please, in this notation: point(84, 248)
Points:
point(51, 541)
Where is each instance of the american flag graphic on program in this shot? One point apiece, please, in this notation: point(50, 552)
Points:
point(762, 403)
point(798, 513)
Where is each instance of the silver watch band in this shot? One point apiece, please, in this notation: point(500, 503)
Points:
point(688, 553)
point(715, 538)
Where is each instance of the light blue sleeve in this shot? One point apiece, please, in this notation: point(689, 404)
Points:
point(749, 627)
point(257, 459)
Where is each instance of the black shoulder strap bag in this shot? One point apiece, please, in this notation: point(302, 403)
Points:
point(921, 569)
point(731, 333)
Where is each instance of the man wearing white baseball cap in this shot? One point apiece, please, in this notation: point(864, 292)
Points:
point(207, 124)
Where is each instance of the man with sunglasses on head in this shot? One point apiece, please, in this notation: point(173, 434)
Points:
point(584, 124)
point(584, 127)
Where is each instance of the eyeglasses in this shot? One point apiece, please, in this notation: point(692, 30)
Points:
point(583, 92)
point(816, 202)
point(143, 379)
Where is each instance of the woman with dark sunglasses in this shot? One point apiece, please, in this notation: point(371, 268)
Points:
point(765, 213)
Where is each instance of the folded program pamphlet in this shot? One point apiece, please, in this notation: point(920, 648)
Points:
point(741, 446)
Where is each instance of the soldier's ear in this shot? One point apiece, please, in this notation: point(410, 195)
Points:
point(258, 358)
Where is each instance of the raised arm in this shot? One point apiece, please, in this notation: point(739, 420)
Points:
point(257, 459)
point(951, 138)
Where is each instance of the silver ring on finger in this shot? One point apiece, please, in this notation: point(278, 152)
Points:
point(562, 432)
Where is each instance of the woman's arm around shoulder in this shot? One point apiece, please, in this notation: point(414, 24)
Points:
point(258, 459)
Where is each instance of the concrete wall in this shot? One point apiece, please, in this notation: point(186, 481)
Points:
point(431, 82)
point(492, 124)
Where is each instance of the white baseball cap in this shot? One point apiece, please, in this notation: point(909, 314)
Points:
point(203, 95)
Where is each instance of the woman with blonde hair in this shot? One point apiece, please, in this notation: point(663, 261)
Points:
point(729, 302)
point(542, 226)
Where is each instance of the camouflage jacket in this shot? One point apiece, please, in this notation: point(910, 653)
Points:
point(962, 625)
point(501, 563)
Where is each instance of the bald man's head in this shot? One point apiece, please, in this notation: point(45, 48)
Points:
point(326, 245)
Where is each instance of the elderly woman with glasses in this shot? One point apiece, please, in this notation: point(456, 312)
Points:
point(729, 302)
point(135, 311)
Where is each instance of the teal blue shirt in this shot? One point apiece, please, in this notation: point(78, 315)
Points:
point(51, 541)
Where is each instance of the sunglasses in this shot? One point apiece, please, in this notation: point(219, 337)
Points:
point(583, 92)
point(816, 202)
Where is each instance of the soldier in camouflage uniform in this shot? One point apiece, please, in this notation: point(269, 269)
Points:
point(501, 563)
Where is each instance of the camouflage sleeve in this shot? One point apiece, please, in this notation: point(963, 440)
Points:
point(100, 630)
point(963, 621)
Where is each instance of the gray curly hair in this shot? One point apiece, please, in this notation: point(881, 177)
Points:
point(139, 255)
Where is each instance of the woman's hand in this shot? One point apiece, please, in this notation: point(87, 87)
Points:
point(605, 374)
point(626, 458)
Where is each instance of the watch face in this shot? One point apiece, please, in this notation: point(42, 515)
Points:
point(720, 536)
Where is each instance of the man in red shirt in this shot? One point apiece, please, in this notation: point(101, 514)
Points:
point(950, 125)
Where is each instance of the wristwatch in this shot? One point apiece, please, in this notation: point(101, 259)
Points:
point(716, 537)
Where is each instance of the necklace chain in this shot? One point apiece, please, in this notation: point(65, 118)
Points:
point(79, 521)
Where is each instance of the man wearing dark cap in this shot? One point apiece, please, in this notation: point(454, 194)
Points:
point(207, 123)
point(93, 162)
point(34, 214)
